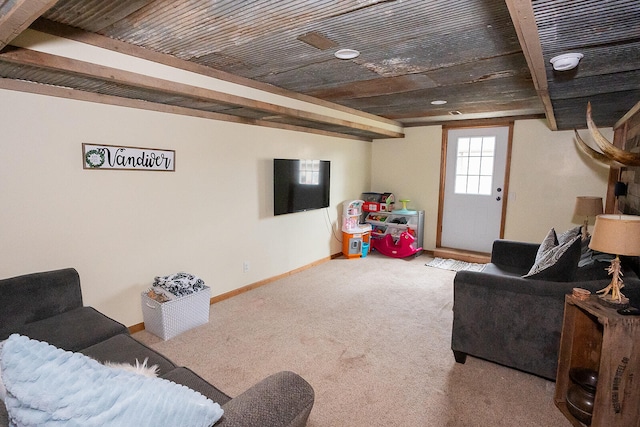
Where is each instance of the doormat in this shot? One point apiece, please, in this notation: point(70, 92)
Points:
point(455, 265)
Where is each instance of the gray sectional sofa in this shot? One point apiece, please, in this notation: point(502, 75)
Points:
point(500, 316)
point(48, 307)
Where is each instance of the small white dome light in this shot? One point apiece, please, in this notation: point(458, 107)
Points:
point(347, 54)
point(438, 102)
point(567, 61)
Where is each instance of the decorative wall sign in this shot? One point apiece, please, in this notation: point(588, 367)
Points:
point(127, 158)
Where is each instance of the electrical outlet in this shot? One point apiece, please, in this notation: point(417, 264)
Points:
point(245, 266)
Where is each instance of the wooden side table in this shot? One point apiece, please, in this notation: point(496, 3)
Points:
point(598, 338)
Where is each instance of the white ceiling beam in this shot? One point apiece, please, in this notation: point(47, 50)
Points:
point(34, 48)
point(16, 16)
point(81, 69)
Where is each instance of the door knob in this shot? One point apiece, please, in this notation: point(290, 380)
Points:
point(499, 189)
point(498, 198)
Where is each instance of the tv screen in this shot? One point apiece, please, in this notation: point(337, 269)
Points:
point(300, 185)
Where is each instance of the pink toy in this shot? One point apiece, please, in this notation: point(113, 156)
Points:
point(402, 249)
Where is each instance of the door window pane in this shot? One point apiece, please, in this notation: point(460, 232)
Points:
point(474, 165)
point(473, 183)
point(485, 185)
point(461, 184)
point(486, 167)
point(463, 146)
point(462, 165)
point(488, 146)
point(475, 147)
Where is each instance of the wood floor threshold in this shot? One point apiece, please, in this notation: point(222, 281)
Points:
point(462, 255)
point(218, 298)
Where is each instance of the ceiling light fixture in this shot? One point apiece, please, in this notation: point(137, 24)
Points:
point(347, 54)
point(438, 102)
point(567, 61)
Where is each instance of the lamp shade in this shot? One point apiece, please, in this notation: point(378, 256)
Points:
point(588, 206)
point(616, 234)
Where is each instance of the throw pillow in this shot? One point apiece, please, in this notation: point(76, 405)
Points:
point(569, 235)
point(47, 386)
point(3, 391)
point(550, 241)
point(588, 256)
point(586, 253)
point(558, 264)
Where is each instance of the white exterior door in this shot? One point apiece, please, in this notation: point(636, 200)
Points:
point(474, 190)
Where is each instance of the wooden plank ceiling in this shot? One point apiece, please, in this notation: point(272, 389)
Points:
point(485, 58)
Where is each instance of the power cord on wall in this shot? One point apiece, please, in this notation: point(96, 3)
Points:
point(330, 225)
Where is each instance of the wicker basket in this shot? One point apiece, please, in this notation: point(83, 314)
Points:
point(174, 317)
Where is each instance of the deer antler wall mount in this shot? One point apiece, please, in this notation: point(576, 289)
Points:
point(610, 155)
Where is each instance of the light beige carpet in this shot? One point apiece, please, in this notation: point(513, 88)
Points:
point(372, 336)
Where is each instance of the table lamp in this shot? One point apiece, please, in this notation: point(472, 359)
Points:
point(617, 235)
point(587, 206)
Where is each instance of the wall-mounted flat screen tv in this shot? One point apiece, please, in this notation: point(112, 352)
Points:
point(300, 185)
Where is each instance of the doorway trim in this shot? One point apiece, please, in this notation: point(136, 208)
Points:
point(443, 172)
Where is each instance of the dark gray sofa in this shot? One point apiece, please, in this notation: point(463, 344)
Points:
point(48, 307)
point(504, 318)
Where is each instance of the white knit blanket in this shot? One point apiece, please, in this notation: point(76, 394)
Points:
point(47, 386)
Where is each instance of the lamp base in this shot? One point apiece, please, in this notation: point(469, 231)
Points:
point(607, 301)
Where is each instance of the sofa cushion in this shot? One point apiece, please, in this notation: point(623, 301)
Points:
point(49, 386)
point(558, 264)
point(503, 270)
point(188, 378)
point(123, 348)
point(517, 256)
point(72, 330)
point(32, 297)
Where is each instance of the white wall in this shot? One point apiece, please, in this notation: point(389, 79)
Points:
point(410, 169)
point(120, 229)
point(547, 173)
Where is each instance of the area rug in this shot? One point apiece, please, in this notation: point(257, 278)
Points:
point(454, 264)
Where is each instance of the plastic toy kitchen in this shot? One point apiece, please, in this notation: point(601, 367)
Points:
point(355, 236)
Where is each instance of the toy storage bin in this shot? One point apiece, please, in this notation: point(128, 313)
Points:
point(171, 318)
point(377, 202)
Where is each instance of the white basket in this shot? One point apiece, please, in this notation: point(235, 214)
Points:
point(172, 318)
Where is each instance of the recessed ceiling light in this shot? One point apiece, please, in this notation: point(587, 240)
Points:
point(438, 102)
point(455, 113)
point(347, 54)
point(567, 61)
